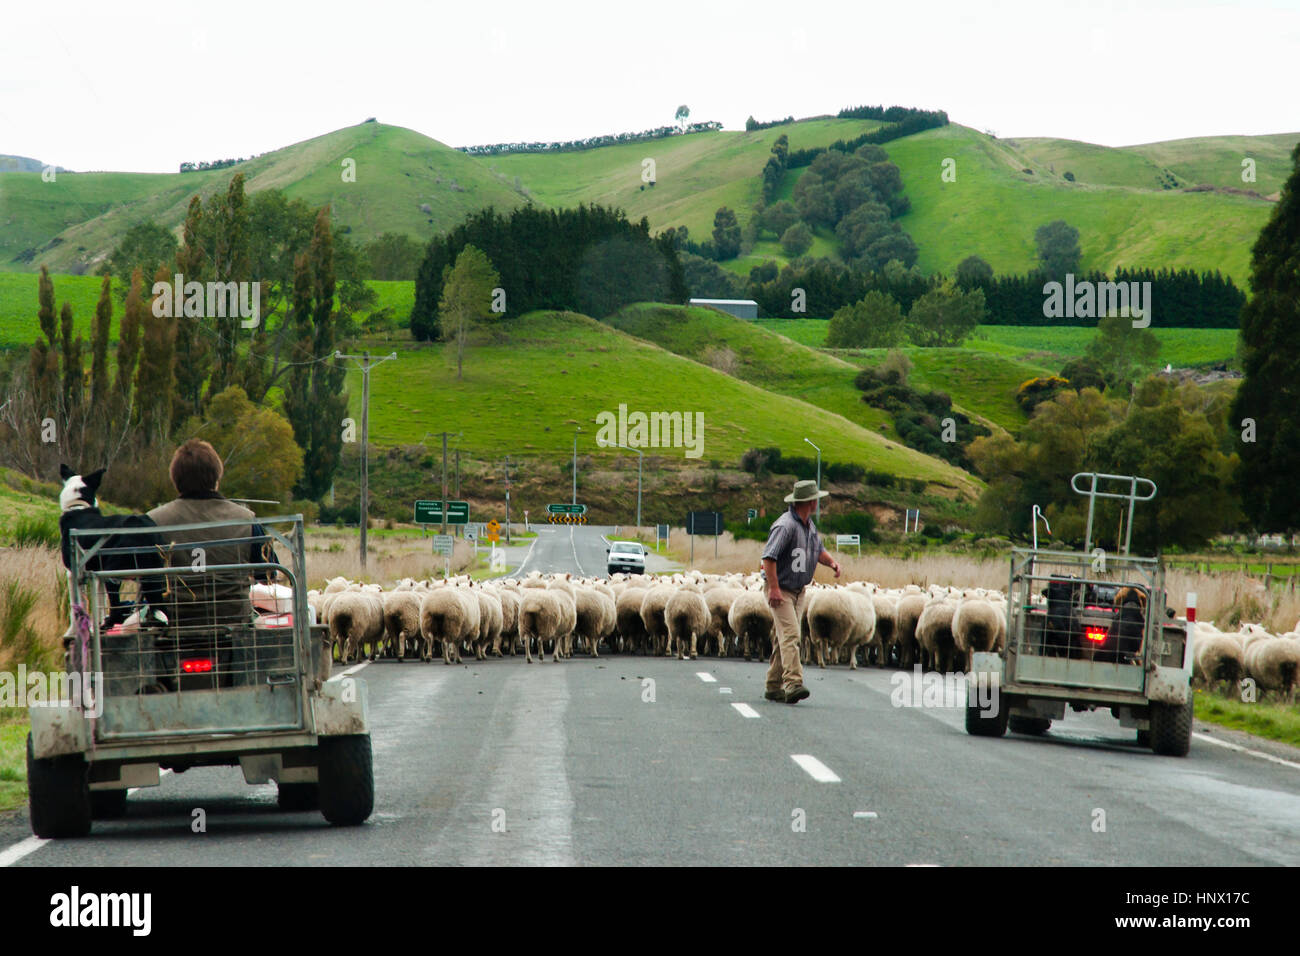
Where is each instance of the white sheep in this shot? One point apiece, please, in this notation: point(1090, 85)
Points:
point(356, 618)
point(630, 626)
point(975, 628)
point(652, 616)
point(839, 619)
point(934, 635)
point(402, 621)
point(719, 598)
point(539, 618)
point(906, 618)
point(752, 622)
point(1274, 663)
point(445, 616)
point(1219, 656)
point(686, 616)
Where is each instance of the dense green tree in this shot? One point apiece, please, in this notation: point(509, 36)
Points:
point(780, 216)
point(393, 256)
point(154, 379)
point(896, 245)
point(796, 240)
point(194, 339)
point(466, 299)
point(863, 226)
point(145, 246)
point(726, 234)
point(945, 316)
point(973, 271)
point(1265, 409)
point(1082, 373)
point(1058, 248)
point(1120, 352)
point(873, 323)
point(256, 446)
point(99, 335)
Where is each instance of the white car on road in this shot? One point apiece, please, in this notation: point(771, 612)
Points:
point(626, 556)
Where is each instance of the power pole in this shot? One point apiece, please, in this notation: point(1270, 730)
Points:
point(364, 507)
point(458, 473)
point(445, 435)
point(507, 499)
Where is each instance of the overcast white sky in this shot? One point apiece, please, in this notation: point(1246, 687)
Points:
point(145, 85)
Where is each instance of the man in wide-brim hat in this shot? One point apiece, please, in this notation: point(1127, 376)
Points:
point(793, 551)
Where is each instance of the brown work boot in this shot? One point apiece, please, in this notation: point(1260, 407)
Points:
point(777, 694)
point(797, 693)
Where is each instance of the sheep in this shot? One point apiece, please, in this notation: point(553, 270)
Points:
point(839, 619)
point(886, 608)
point(907, 616)
point(1250, 633)
point(356, 619)
point(490, 619)
point(509, 599)
point(445, 615)
point(402, 621)
point(628, 614)
point(1219, 656)
point(719, 599)
point(1274, 663)
point(687, 617)
point(652, 616)
point(592, 616)
point(751, 620)
point(934, 635)
point(974, 628)
point(539, 617)
point(564, 594)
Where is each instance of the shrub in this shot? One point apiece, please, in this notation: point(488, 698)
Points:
point(1069, 176)
point(1037, 390)
point(35, 531)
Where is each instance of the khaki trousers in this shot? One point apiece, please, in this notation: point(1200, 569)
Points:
point(786, 670)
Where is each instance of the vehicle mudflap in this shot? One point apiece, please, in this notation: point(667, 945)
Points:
point(1168, 685)
point(341, 707)
point(58, 729)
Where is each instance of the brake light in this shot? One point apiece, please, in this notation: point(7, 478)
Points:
point(197, 665)
point(1097, 634)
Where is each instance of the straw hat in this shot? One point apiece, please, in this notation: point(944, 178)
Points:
point(805, 491)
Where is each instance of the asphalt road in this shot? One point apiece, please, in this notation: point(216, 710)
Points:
point(585, 762)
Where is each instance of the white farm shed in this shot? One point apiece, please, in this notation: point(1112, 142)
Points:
point(740, 308)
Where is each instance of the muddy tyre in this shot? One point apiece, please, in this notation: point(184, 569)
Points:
point(1171, 728)
point(58, 795)
point(347, 780)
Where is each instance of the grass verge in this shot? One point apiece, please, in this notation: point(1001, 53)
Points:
point(1273, 721)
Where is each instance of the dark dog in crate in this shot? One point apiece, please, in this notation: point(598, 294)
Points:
point(79, 510)
point(1130, 623)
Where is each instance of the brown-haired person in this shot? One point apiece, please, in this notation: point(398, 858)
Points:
point(216, 597)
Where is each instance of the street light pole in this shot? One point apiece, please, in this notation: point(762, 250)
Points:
point(819, 480)
point(364, 505)
point(575, 466)
point(640, 459)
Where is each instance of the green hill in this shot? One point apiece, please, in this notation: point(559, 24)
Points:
point(549, 372)
point(405, 182)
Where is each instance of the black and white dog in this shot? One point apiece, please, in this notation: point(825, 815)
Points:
point(79, 510)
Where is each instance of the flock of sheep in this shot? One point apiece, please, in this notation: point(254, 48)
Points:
point(691, 613)
point(1271, 661)
point(684, 614)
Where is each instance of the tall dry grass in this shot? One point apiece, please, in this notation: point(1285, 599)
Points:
point(1227, 599)
point(333, 554)
point(33, 607)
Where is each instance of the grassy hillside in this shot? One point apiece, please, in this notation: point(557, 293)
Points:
point(397, 172)
point(695, 174)
point(1181, 347)
point(525, 394)
point(18, 303)
point(1211, 160)
point(993, 208)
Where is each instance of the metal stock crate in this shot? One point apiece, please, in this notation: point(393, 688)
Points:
point(215, 663)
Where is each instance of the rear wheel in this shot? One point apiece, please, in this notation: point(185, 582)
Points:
point(1032, 726)
point(58, 795)
point(107, 804)
point(347, 781)
point(990, 722)
point(1171, 728)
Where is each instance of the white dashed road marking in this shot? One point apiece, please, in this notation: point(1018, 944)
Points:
point(19, 850)
point(745, 710)
point(864, 815)
point(815, 768)
point(707, 678)
point(1246, 750)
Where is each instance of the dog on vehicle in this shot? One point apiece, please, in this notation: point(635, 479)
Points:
point(79, 510)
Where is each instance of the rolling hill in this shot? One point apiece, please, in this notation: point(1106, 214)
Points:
point(524, 393)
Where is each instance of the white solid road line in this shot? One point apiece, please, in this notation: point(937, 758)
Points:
point(864, 814)
point(745, 710)
point(574, 547)
point(351, 670)
point(19, 850)
point(815, 768)
point(1246, 750)
point(706, 677)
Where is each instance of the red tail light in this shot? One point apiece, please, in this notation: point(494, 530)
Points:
point(1097, 634)
point(197, 665)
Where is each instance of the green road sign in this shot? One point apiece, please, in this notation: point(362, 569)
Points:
point(751, 514)
point(430, 512)
point(567, 509)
